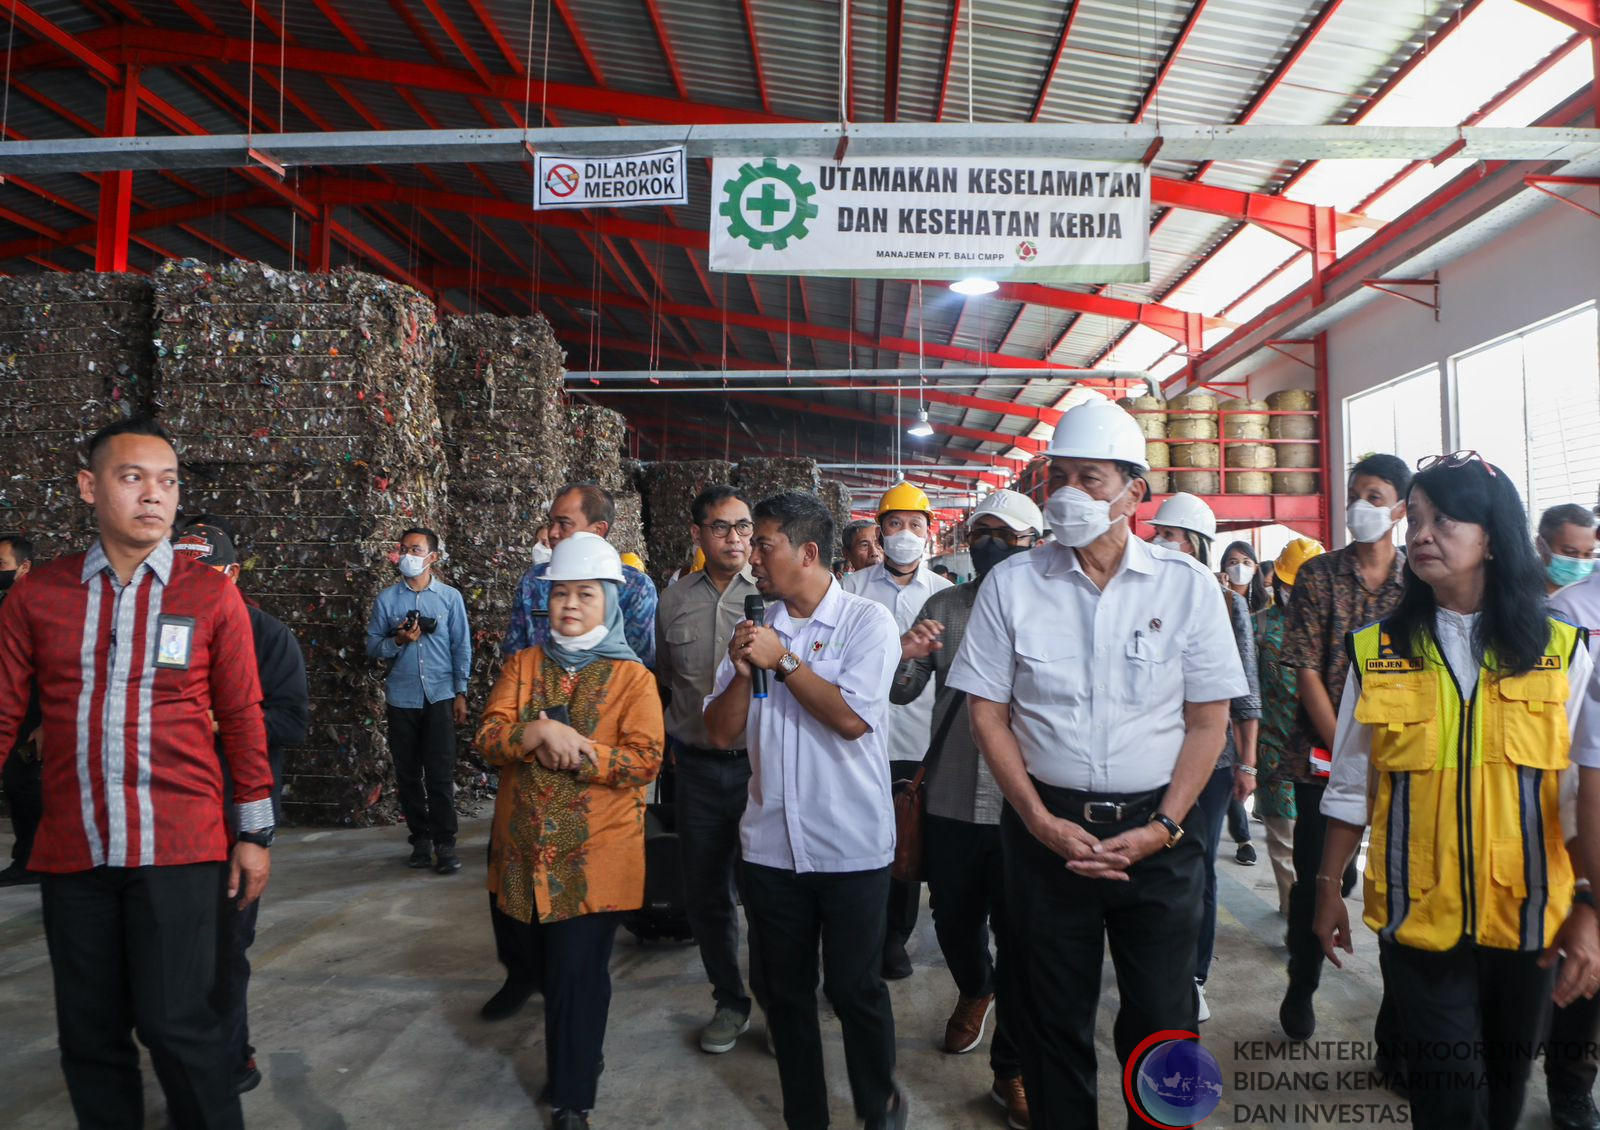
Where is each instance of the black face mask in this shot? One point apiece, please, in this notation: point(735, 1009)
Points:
point(989, 552)
point(8, 577)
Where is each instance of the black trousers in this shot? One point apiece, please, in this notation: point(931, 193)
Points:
point(790, 914)
point(905, 899)
point(423, 743)
point(134, 949)
point(1569, 1056)
point(966, 886)
point(1305, 952)
point(236, 933)
point(1238, 822)
point(1469, 1020)
point(1062, 922)
point(25, 798)
point(712, 791)
point(570, 962)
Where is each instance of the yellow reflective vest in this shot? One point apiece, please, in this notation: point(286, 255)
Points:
point(1466, 828)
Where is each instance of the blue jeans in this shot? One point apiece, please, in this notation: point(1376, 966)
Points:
point(1213, 810)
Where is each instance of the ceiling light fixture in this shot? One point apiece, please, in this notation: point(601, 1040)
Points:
point(974, 286)
point(921, 428)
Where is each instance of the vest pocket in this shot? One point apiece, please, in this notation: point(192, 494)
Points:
point(1507, 867)
point(1532, 728)
point(1402, 712)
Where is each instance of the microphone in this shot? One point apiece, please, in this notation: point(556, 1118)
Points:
point(755, 609)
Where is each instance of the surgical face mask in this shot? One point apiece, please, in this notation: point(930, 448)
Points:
point(541, 553)
point(1368, 523)
point(1077, 518)
point(1241, 573)
point(588, 641)
point(1175, 546)
point(989, 552)
point(905, 547)
point(8, 577)
point(1566, 571)
point(412, 566)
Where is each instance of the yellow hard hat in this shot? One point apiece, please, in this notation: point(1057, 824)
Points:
point(634, 560)
point(1294, 555)
point(699, 560)
point(904, 496)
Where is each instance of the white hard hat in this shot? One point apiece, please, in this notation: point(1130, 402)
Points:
point(584, 557)
point(1184, 511)
point(1099, 429)
point(1013, 508)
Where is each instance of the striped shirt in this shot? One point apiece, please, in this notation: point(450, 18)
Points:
point(126, 676)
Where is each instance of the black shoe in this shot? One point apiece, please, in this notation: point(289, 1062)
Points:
point(896, 965)
point(1573, 1110)
point(421, 857)
point(508, 1001)
point(569, 1120)
point(1297, 1014)
point(17, 875)
point(898, 1114)
point(449, 863)
point(1246, 855)
point(544, 1091)
point(247, 1078)
point(1391, 1075)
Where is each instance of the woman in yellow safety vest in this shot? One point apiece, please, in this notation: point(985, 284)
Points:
point(1454, 737)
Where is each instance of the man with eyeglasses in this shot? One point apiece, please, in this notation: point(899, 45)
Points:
point(694, 622)
point(961, 828)
point(419, 626)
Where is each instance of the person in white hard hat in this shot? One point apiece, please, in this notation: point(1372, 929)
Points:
point(574, 726)
point(1185, 524)
point(961, 829)
point(902, 583)
point(1098, 672)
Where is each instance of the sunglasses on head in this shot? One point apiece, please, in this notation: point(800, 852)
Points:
point(1456, 460)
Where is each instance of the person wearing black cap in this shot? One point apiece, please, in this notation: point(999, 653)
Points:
point(285, 707)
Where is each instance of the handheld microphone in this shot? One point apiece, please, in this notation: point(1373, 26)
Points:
point(755, 610)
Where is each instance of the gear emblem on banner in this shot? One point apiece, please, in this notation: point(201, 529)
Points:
point(769, 193)
point(1027, 250)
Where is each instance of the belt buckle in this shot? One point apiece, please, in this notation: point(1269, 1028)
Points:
point(1102, 811)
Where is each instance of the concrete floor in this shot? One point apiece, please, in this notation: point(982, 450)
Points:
point(369, 978)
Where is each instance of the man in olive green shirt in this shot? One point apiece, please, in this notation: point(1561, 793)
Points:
point(694, 621)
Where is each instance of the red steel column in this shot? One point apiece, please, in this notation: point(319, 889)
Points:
point(114, 224)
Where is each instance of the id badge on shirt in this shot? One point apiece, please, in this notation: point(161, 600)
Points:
point(174, 642)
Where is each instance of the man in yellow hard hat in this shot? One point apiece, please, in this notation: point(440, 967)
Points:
point(633, 561)
point(1280, 705)
point(902, 583)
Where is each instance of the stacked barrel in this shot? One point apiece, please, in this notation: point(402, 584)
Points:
point(1296, 455)
point(1151, 412)
point(1191, 439)
point(1244, 420)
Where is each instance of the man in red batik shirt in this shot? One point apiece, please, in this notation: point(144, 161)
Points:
point(132, 650)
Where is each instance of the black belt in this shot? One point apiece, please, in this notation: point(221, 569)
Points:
point(719, 754)
point(1100, 808)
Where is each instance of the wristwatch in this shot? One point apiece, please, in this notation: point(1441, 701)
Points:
point(1583, 896)
point(788, 664)
point(1174, 832)
point(261, 837)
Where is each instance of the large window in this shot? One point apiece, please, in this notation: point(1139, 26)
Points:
point(1530, 403)
point(1404, 417)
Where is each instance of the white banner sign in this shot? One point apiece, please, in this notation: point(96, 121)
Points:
point(658, 177)
point(936, 218)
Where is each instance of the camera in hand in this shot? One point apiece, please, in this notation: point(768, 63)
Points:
point(755, 610)
point(415, 619)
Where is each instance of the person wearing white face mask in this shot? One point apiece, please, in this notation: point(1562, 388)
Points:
point(420, 627)
point(902, 583)
point(1098, 672)
point(575, 727)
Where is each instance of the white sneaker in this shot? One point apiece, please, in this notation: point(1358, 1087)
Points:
point(1205, 1011)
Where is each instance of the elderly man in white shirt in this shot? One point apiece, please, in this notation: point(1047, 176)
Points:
point(818, 831)
point(902, 583)
point(1098, 671)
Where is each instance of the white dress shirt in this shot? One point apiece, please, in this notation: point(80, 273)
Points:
point(1350, 790)
point(818, 801)
point(911, 725)
point(1097, 681)
point(1579, 605)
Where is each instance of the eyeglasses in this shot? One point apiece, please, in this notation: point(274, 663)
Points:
point(1007, 535)
point(1456, 460)
point(721, 530)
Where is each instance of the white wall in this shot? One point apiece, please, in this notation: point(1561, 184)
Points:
point(1549, 263)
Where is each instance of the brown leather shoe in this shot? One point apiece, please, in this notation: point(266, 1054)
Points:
point(1009, 1093)
point(964, 1031)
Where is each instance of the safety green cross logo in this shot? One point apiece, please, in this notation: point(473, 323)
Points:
point(767, 206)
